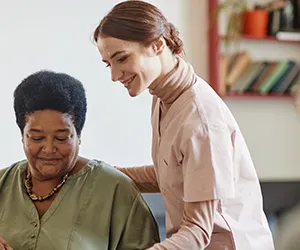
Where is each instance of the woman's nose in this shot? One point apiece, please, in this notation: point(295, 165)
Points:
point(49, 147)
point(115, 74)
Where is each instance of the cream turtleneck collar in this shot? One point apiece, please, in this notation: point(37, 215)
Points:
point(171, 86)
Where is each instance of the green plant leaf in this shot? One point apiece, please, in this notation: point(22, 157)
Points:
point(234, 10)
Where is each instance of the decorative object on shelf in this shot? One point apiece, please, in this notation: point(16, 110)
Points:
point(259, 21)
point(234, 10)
point(233, 73)
point(288, 16)
point(255, 23)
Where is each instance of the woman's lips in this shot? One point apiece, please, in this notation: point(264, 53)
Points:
point(127, 82)
point(49, 161)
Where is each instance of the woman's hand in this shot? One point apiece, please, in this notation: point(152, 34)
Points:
point(4, 245)
point(143, 176)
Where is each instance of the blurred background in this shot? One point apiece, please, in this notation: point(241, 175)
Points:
point(247, 50)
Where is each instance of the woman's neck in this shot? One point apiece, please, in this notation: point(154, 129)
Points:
point(168, 63)
point(174, 82)
point(44, 186)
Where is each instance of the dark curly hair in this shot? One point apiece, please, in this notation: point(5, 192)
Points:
point(141, 22)
point(50, 90)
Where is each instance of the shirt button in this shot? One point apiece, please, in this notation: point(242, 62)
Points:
point(35, 225)
point(32, 236)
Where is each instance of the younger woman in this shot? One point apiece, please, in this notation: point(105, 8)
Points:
point(202, 166)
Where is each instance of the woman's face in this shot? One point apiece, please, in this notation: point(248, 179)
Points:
point(50, 143)
point(131, 63)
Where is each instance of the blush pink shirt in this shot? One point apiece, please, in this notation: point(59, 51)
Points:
point(199, 154)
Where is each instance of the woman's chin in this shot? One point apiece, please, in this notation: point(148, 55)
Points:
point(48, 172)
point(133, 93)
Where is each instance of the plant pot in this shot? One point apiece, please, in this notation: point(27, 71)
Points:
point(255, 23)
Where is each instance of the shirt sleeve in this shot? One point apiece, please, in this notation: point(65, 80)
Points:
point(208, 164)
point(141, 230)
point(196, 228)
point(144, 177)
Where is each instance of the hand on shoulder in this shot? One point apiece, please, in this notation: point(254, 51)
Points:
point(4, 245)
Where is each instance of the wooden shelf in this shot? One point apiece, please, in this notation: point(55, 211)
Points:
point(214, 52)
point(255, 96)
point(263, 39)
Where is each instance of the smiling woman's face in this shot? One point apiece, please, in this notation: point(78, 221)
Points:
point(131, 63)
point(50, 143)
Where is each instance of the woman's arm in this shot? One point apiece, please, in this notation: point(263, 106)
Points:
point(144, 177)
point(196, 228)
point(141, 230)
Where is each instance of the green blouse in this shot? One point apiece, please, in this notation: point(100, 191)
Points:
point(98, 208)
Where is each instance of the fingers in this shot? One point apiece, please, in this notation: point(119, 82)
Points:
point(7, 247)
point(4, 245)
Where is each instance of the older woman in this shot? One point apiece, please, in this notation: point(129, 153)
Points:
point(56, 199)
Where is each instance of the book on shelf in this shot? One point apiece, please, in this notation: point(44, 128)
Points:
point(248, 77)
point(231, 68)
point(292, 35)
point(237, 66)
point(283, 19)
point(258, 77)
point(274, 21)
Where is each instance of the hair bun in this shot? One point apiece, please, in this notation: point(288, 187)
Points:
point(174, 42)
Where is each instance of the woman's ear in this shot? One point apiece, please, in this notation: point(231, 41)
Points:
point(159, 46)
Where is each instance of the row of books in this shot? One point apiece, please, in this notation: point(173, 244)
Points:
point(283, 19)
point(283, 16)
point(239, 74)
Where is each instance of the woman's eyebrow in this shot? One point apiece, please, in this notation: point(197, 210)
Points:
point(115, 54)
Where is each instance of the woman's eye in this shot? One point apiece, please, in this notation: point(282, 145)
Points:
point(62, 138)
point(122, 59)
point(107, 65)
point(36, 138)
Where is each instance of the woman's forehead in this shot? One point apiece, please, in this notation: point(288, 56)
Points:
point(49, 117)
point(110, 45)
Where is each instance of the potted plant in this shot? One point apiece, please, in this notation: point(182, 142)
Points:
point(255, 23)
point(234, 10)
point(241, 20)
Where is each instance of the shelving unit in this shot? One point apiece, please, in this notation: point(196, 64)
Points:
point(255, 96)
point(214, 52)
point(264, 39)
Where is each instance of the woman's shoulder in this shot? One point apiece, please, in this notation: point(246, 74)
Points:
point(205, 106)
point(202, 89)
point(13, 170)
point(107, 175)
point(13, 167)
